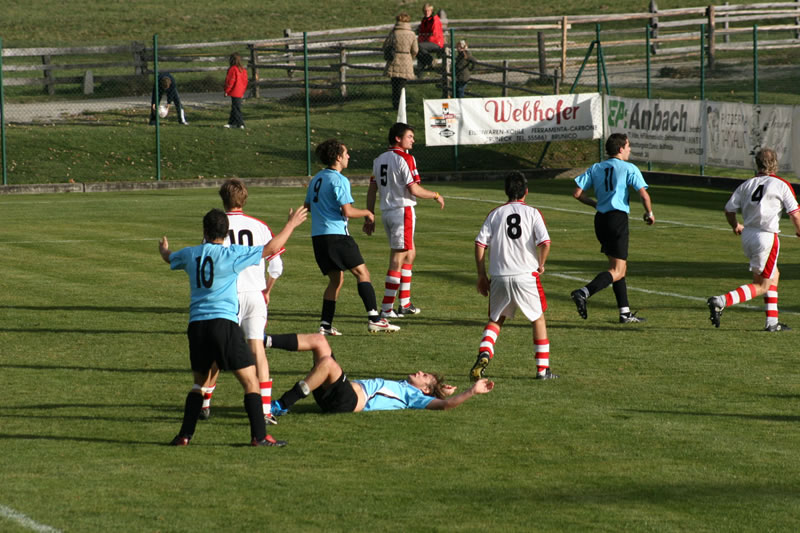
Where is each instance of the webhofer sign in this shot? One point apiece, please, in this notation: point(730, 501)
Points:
point(450, 122)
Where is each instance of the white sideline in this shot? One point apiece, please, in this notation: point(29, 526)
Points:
point(24, 521)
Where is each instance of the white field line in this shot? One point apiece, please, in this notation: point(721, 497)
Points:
point(645, 291)
point(24, 521)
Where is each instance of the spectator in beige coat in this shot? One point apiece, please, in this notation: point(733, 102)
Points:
point(399, 49)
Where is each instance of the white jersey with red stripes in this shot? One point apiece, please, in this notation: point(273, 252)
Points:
point(393, 171)
point(249, 231)
point(760, 200)
point(512, 232)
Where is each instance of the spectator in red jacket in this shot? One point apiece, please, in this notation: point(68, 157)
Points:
point(431, 37)
point(235, 86)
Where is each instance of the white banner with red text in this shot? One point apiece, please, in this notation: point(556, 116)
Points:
point(459, 121)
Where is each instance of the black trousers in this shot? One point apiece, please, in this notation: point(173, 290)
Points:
point(236, 119)
point(398, 84)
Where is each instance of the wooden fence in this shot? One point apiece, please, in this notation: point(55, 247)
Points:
point(511, 51)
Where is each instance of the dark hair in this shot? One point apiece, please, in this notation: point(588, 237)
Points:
point(215, 225)
point(403, 17)
point(328, 151)
point(767, 161)
point(236, 60)
point(615, 143)
point(233, 193)
point(398, 129)
point(164, 83)
point(516, 186)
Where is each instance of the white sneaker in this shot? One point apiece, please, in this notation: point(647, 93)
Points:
point(382, 325)
point(390, 314)
point(331, 331)
point(226, 126)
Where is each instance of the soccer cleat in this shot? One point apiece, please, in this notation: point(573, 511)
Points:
point(269, 440)
point(547, 375)
point(183, 123)
point(410, 309)
point(382, 326)
point(480, 365)
point(180, 440)
point(780, 326)
point(716, 311)
point(270, 419)
point(205, 413)
point(278, 409)
point(631, 318)
point(330, 331)
point(580, 302)
point(390, 314)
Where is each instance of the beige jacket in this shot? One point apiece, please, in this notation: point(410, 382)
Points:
point(404, 43)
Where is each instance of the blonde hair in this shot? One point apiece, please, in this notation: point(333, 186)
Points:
point(403, 17)
point(767, 161)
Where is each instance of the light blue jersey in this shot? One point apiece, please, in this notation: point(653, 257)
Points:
point(327, 192)
point(385, 395)
point(610, 180)
point(212, 270)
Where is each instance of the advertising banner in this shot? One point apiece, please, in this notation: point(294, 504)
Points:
point(736, 131)
point(667, 131)
point(459, 121)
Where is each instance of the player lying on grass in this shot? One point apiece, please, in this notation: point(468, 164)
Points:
point(214, 332)
point(334, 393)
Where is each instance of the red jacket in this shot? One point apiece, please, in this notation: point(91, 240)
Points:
point(236, 82)
point(430, 29)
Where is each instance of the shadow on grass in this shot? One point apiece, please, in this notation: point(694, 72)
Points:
point(768, 418)
point(103, 309)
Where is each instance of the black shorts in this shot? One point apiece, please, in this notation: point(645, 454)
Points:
point(218, 340)
point(612, 231)
point(338, 398)
point(336, 252)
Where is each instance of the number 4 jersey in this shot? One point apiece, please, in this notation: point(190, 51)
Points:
point(512, 232)
point(760, 200)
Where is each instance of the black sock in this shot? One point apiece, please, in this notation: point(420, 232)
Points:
point(291, 396)
point(286, 341)
point(191, 412)
point(367, 293)
point(255, 412)
point(328, 310)
point(621, 292)
point(600, 282)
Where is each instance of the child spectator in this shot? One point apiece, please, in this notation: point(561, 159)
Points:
point(235, 86)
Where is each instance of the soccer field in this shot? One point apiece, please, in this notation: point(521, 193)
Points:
point(669, 425)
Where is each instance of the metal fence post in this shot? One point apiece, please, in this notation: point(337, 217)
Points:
point(647, 30)
point(156, 91)
point(599, 89)
point(703, 84)
point(3, 117)
point(755, 64)
point(308, 104)
point(455, 86)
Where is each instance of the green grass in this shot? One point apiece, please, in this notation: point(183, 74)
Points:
point(670, 425)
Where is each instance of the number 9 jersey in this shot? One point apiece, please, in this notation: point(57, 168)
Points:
point(512, 232)
point(760, 200)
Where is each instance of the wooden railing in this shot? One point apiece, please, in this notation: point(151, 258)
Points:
point(517, 48)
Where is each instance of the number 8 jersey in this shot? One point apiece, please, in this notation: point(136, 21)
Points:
point(760, 200)
point(512, 232)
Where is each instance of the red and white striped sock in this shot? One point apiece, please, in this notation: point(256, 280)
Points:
point(266, 395)
point(405, 286)
point(771, 302)
point(489, 338)
point(542, 349)
point(740, 295)
point(392, 284)
point(208, 392)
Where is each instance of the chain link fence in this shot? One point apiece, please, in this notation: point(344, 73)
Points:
point(83, 114)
